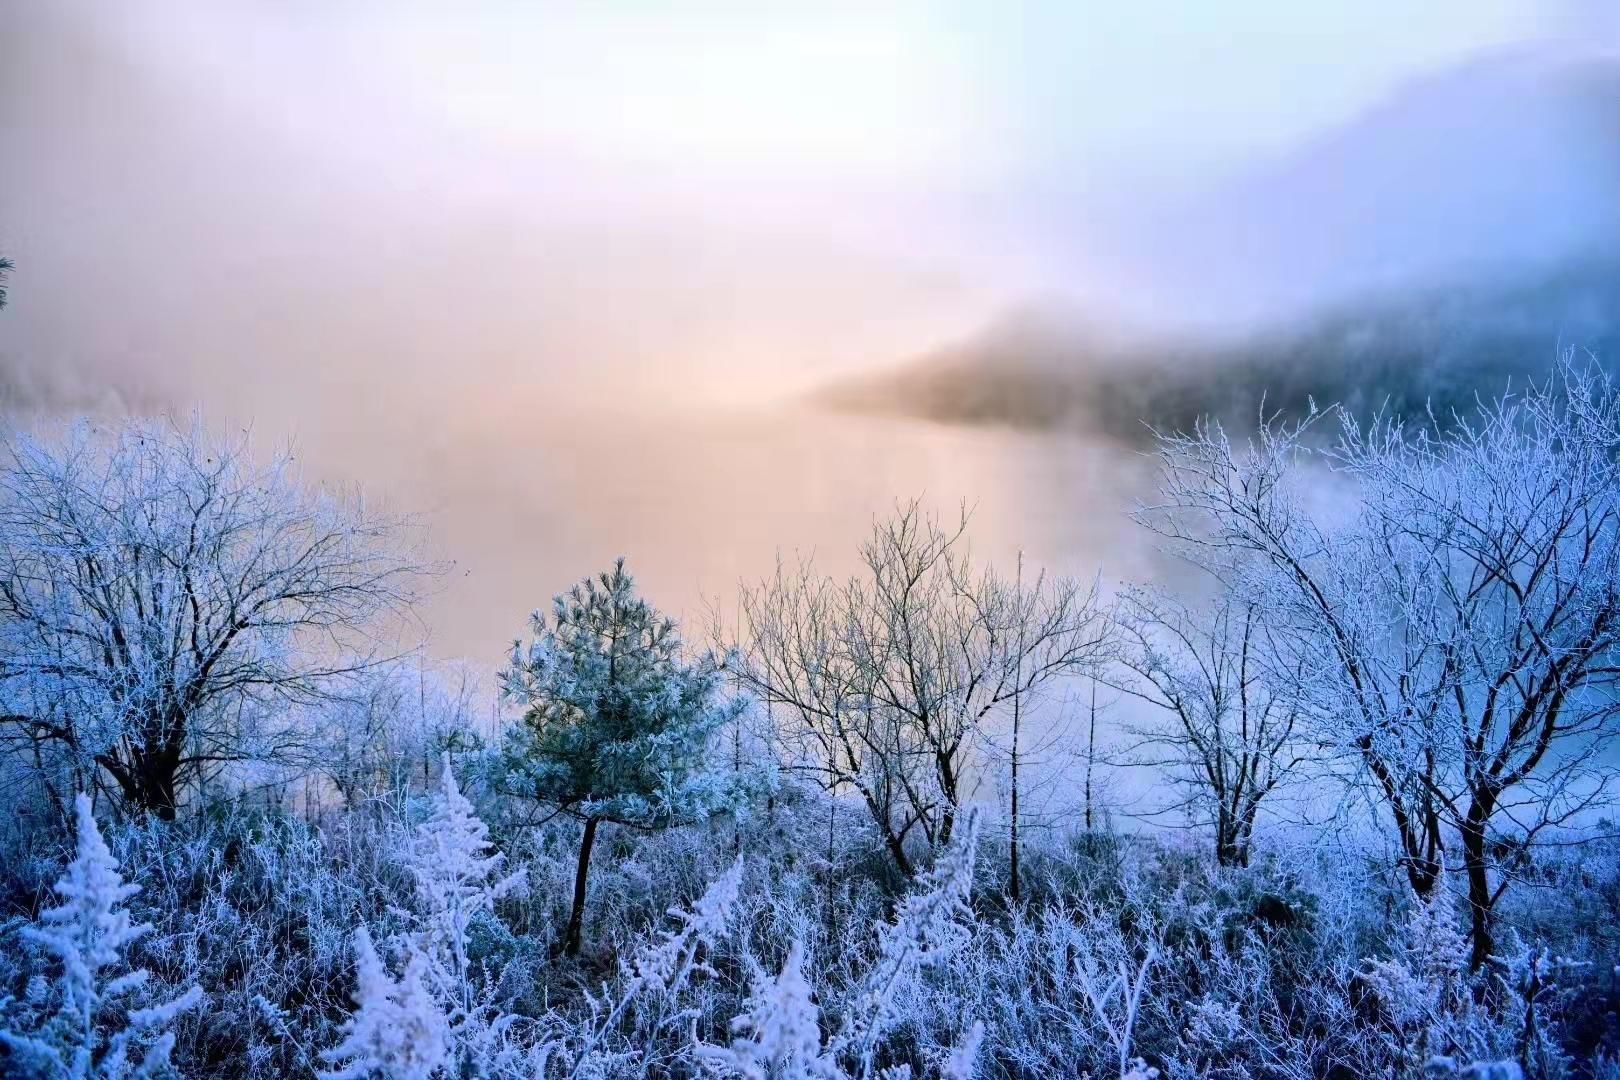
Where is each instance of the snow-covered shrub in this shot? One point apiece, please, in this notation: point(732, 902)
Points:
point(617, 1028)
point(397, 1029)
point(778, 1035)
point(778, 1032)
point(1258, 972)
point(260, 908)
point(1428, 1002)
point(458, 879)
point(665, 964)
point(91, 1026)
point(931, 924)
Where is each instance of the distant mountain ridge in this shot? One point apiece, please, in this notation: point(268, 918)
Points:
point(1436, 348)
point(1448, 240)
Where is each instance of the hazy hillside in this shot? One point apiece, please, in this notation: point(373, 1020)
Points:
point(1441, 346)
point(1457, 234)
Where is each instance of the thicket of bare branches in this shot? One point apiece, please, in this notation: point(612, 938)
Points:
point(164, 598)
point(1228, 739)
point(1453, 614)
point(882, 684)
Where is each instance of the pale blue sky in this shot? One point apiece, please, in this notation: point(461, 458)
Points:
point(740, 189)
point(890, 93)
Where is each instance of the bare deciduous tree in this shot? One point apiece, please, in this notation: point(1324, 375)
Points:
point(1456, 618)
point(163, 598)
point(1230, 739)
point(883, 682)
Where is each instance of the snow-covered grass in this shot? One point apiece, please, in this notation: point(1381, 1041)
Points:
point(762, 951)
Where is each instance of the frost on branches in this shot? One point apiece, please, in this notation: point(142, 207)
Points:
point(930, 925)
point(778, 1034)
point(1427, 995)
point(94, 1032)
point(666, 964)
point(618, 723)
point(164, 599)
point(439, 1002)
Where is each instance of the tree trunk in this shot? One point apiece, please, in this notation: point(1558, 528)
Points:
point(1014, 886)
point(1091, 753)
point(897, 849)
point(1477, 867)
point(1421, 845)
point(576, 914)
point(157, 780)
point(148, 782)
point(1245, 833)
point(1225, 836)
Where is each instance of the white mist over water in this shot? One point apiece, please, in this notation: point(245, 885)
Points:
point(546, 272)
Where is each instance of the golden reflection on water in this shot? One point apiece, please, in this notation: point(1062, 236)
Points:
point(699, 500)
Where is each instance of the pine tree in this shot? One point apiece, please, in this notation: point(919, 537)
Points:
point(397, 1030)
point(618, 723)
point(94, 1032)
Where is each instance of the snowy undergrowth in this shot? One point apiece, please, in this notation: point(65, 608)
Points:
point(1308, 964)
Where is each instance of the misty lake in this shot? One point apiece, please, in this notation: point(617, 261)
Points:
point(697, 501)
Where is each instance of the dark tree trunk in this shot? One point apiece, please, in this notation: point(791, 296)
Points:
point(897, 848)
point(1226, 852)
point(1477, 867)
point(576, 914)
point(148, 781)
point(157, 779)
point(1421, 845)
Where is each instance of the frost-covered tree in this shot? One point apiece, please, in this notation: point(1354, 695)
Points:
point(96, 1031)
point(883, 683)
point(618, 723)
point(1455, 617)
point(458, 879)
point(5, 269)
point(396, 1030)
point(379, 736)
point(163, 596)
point(1229, 739)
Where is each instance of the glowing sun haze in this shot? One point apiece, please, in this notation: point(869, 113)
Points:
point(431, 241)
point(725, 199)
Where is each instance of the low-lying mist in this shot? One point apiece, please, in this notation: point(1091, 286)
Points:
point(1438, 349)
point(560, 345)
